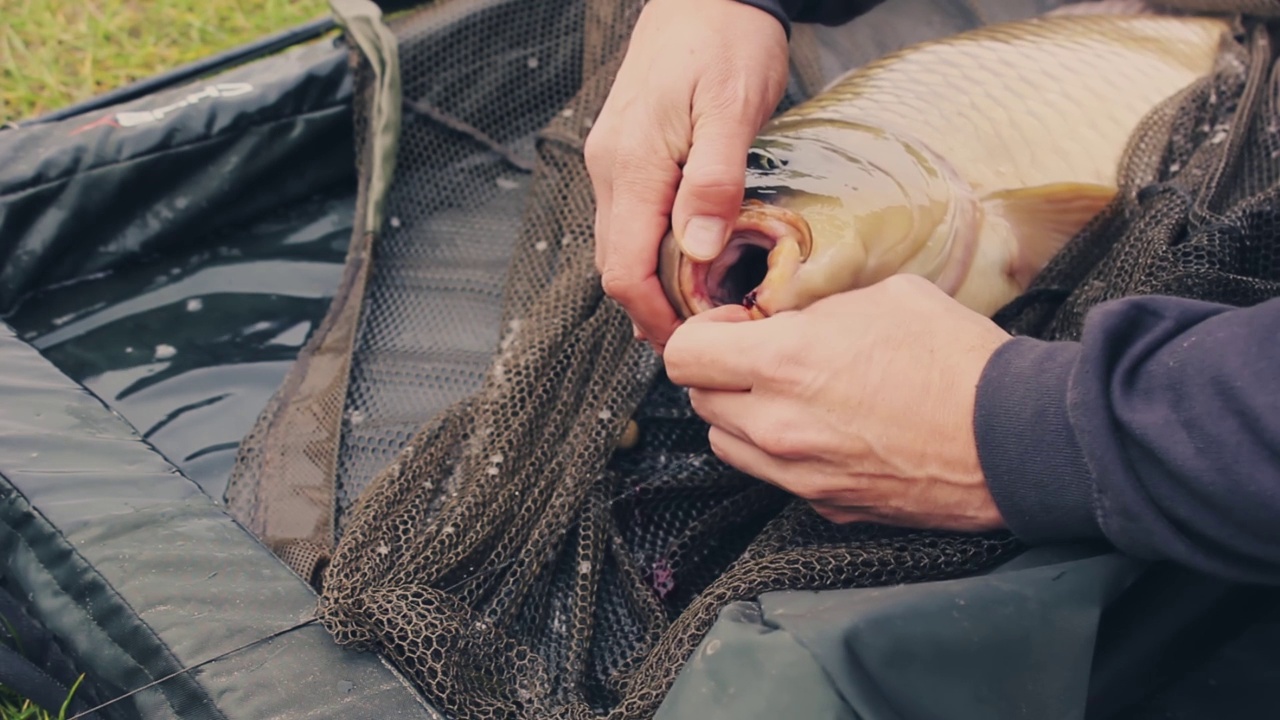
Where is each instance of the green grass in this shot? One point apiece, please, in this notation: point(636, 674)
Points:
point(14, 707)
point(57, 52)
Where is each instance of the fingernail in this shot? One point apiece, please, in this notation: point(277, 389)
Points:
point(704, 237)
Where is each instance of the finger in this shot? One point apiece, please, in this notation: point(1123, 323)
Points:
point(841, 515)
point(642, 192)
point(715, 355)
point(727, 410)
point(723, 313)
point(598, 157)
point(748, 458)
point(776, 426)
point(711, 188)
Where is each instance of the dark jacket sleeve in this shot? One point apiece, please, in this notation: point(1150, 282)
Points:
point(1159, 430)
point(823, 12)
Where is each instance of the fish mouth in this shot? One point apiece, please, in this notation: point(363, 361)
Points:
point(743, 270)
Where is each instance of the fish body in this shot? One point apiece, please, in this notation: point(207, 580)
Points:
point(969, 160)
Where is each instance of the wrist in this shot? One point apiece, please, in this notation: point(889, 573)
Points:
point(1034, 466)
point(773, 8)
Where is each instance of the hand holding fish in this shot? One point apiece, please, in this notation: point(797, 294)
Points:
point(862, 403)
point(669, 147)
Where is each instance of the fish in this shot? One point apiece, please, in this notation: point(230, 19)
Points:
point(970, 160)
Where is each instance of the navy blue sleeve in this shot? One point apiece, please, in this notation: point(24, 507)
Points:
point(1159, 431)
point(822, 12)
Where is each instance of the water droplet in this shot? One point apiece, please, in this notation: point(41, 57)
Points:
point(395, 222)
point(164, 352)
point(194, 305)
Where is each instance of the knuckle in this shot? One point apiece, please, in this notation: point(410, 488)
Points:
point(716, 441)
point(833, 513)
point(719, 179)
point(782, 442)
point(618, 285)
point(598, 148)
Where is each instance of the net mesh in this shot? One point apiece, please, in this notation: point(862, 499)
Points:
point(446, 453)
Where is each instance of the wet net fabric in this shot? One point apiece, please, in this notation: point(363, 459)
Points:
point(446, 460)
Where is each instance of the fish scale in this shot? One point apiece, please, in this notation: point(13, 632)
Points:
point(969, 160)
point(1105, 72)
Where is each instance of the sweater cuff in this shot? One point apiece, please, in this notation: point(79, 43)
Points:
point(1035, 468)
point(774, 8)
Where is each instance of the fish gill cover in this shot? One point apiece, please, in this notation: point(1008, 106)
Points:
point(443, 461)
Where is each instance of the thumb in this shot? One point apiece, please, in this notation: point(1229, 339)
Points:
point(711, 190)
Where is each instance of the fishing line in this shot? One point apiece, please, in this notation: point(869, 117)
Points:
point(196, 666)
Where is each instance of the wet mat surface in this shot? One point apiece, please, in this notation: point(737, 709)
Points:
point(189, 347)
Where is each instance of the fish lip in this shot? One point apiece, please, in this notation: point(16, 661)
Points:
point(690, 284)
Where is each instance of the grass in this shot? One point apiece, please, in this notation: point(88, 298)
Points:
point(15, 707)
point(57, 52)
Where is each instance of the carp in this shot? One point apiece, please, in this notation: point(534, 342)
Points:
point(969, 160)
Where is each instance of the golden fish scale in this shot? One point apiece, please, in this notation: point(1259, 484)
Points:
point(1031, 102)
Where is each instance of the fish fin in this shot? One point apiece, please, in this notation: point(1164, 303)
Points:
point(1043, 219)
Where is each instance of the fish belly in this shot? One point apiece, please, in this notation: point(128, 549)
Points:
point(1045, 100)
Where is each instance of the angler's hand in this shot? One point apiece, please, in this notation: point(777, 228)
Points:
point(862, 403)
point(699, 79)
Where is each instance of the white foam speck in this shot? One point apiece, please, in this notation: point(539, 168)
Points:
point(164, 352)
point(195, 305)
point(540, 246)
point(507, 183)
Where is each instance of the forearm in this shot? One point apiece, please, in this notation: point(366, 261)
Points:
point(1160, 430)
point(823, 12)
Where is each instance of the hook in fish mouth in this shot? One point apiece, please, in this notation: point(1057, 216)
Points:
point(739, 274)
